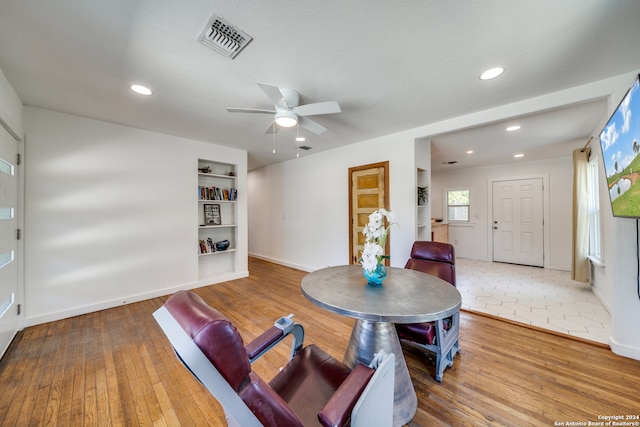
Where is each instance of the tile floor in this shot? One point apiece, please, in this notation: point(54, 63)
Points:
point(541, 297)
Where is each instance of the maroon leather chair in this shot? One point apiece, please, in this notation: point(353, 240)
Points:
point(441, 336)
point(312, 389)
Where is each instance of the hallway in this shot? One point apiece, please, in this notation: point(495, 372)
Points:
point(539, 297)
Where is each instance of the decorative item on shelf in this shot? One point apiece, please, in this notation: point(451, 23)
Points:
point(423, 195)
point(212, 215)
point(205, 169)
point(222, 245)
point(376, 232)
point(232, 173)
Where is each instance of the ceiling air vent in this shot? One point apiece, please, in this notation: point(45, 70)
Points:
point(223, 37)
point(304, 147)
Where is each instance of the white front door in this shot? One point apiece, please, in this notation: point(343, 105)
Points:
point(8, 240)
point(518, 222)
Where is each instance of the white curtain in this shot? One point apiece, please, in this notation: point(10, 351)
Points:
point(580, 262)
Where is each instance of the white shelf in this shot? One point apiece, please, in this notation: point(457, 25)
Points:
point(217, 252)
point(215, 175)
point(222, 177)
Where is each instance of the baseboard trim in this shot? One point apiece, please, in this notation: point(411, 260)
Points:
point(624, 350)
point(284, 263)
point(104, 305)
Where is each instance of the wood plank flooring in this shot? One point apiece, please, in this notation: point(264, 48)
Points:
point(115, 367)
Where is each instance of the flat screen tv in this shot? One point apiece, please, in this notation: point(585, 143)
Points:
point(620, 143)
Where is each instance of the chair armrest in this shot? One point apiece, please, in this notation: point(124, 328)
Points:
point(268, 338)
point(337, 411)
point(273, 336)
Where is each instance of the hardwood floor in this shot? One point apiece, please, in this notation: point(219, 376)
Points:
point(115, 367)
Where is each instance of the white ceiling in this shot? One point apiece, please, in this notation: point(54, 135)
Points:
point(391, 65)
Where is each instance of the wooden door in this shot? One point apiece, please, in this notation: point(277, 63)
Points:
point(9, 315)
point(518, 222)
point(368, 191)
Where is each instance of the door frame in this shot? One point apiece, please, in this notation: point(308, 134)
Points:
point(19, 214)
point(545, 213)
point(387, 197)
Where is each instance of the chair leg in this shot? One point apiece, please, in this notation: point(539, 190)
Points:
point(445, 347)
point(447, 344)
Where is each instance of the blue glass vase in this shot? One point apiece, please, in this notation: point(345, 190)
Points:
point(375, 277)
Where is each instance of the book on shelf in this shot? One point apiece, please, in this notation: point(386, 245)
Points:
point(207, 246)
point(217, 193)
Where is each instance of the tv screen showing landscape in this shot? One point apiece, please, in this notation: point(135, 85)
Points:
point(620, 142)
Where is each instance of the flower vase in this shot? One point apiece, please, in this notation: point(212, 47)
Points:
point(375, 277)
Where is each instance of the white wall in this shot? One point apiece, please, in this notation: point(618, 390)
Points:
point(621, 254)
point(473, 240)
point(299, 210)
point(111, 213)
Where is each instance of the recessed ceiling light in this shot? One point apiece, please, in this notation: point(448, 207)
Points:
point(514, 127)
point(300, 138)
point(142, 90)
point(518, 155)
point(469, 151)
point(492, 73)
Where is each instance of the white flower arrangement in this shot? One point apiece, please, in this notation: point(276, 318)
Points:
point(376, 232)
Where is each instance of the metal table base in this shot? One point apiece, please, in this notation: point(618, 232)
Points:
point(369, 337)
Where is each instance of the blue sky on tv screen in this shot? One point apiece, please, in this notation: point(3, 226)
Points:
point(622, 129)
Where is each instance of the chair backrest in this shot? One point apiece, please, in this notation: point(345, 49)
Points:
point(435, 258)
point(208, 328)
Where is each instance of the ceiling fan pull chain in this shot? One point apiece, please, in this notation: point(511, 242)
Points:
point(274, 137)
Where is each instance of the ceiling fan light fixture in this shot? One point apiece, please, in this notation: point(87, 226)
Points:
point(286, 119)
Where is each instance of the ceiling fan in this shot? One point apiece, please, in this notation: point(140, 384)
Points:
point(287, 112)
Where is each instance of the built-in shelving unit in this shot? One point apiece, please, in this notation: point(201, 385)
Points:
point(423, 220)
point(217, 195)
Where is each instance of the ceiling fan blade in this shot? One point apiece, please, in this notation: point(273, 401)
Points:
point(312, 126)
point(274, 94)
point(250, 110)
point(272, 128)
point(328, 107)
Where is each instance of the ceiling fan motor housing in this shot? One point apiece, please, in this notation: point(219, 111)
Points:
point(291, 97)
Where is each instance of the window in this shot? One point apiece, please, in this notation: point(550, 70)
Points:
point(458, 205)
point(594, 208)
